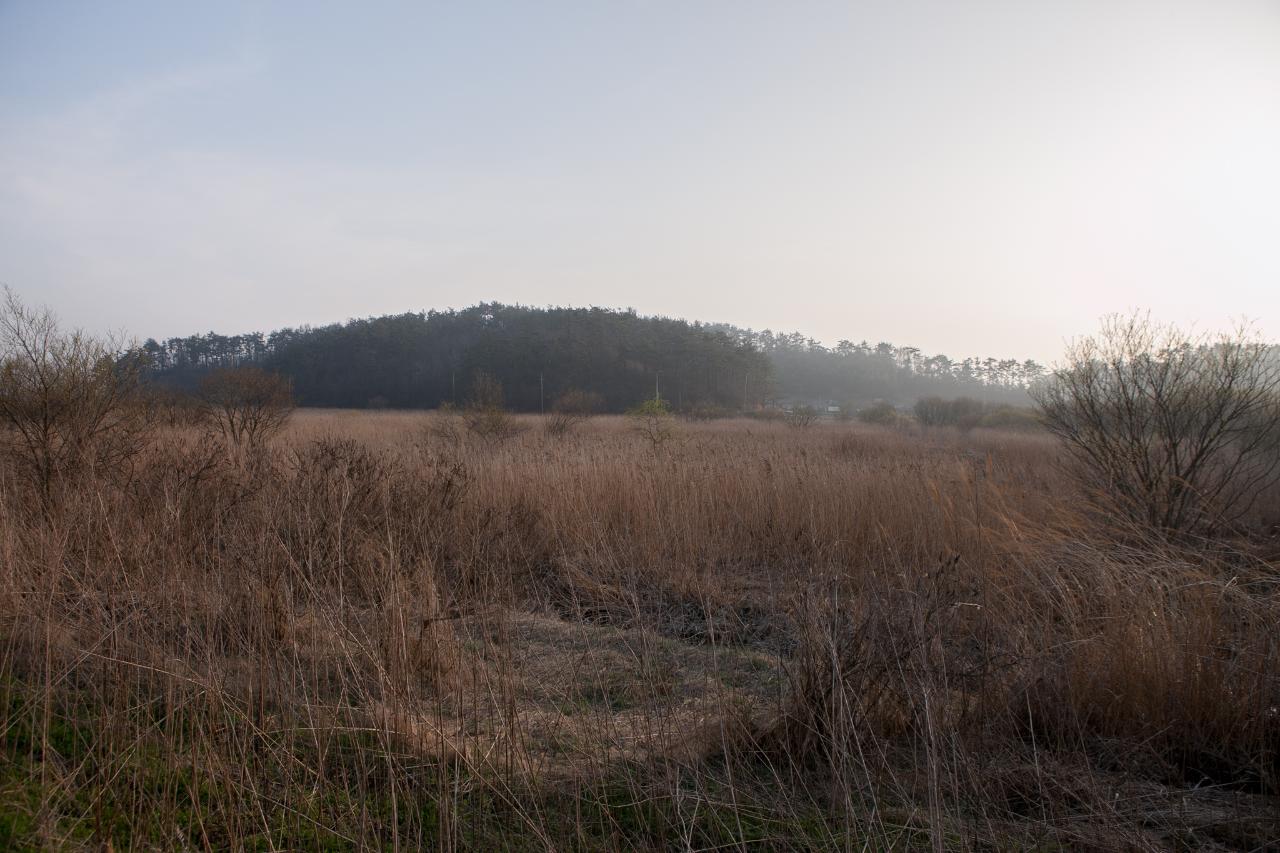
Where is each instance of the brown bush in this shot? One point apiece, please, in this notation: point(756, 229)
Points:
point(485, 415)
point(1179, 432)
point(246, 405)
point(69, 403)
point(171, 407)
point(881, 414)
point(571, 409)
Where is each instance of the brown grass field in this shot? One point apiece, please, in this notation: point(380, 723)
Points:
point(384, 632)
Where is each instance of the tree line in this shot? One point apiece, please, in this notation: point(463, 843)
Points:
point(860, 372)
point(426, 359)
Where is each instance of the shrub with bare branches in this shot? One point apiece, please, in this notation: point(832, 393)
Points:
point(485, 414)
point(247, 405)
point(67, 400)
point(1174, 430)
point(572, 408)
point(882, 413)
point(171, 407)
point(446, 426)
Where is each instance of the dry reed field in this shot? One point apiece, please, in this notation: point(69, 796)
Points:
point(382, 631)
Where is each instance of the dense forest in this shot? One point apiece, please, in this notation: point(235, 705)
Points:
point(421, 360)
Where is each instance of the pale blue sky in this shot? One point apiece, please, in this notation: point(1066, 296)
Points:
point(978, 177)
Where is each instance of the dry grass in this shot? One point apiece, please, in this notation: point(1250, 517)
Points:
point(379, 634)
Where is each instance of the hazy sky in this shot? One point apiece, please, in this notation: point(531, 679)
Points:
point(965, 177)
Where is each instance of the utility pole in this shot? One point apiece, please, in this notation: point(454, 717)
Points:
point(542, 393)
point(656, 395)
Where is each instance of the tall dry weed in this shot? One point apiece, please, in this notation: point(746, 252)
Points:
point(369, 633)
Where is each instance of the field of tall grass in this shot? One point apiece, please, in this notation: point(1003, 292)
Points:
point(384, 631)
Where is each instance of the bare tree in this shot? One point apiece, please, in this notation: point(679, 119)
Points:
point(1179, 431)
point(67, 400)
point(247, 405)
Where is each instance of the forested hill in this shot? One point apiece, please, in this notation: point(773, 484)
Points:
point(421, 360)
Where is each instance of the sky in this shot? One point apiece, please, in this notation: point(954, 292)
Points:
point(981, 178)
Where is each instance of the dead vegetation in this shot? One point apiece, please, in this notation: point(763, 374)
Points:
point(374, 634)
point(570, 410)
point(69, 403)
point(1178, 432)
point(246, 405)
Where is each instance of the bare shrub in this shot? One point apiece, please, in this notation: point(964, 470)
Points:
point(962, 412)
point(966, 413)
point(485, 415)
point(1017, 418)
point(1177, 431)
point(560, 424)
point(171, 407)
point(68, 401)
point(933, 411)
point(571, 409)
point(882, 414)
point(247, 405)
point(446, 426)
